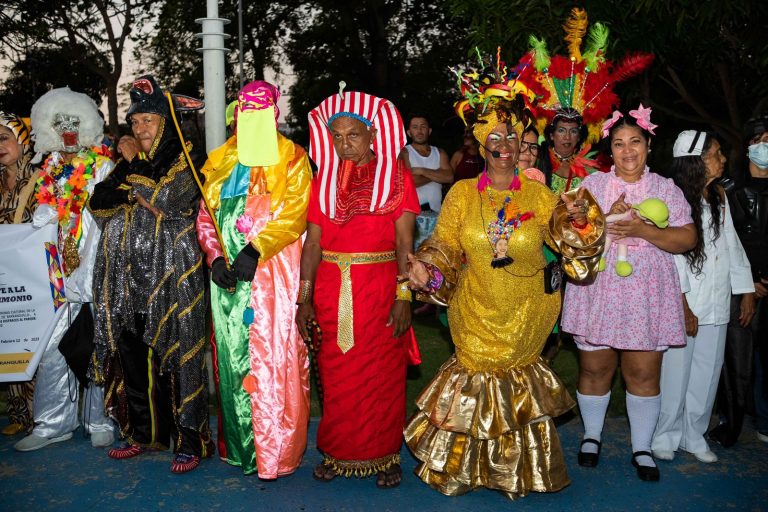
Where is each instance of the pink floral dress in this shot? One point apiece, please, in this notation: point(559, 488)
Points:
point(643, 311)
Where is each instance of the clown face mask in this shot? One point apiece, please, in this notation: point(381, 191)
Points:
point(68, 128)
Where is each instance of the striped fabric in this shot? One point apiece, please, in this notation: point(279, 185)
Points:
point(389, 140)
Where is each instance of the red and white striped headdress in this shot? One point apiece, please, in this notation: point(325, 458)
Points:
point(389, 141)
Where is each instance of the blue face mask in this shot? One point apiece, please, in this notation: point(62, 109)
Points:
point(758, 154)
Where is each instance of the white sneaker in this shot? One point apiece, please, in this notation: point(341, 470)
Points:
point(762, 436)
point(102, 439)
point(707, 456)
point(664, 454)
point(34, 442)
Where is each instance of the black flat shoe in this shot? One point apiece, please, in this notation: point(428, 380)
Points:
point(646, 473)
point(589, 460)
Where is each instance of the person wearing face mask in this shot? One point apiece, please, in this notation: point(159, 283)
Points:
point(743, 386)
point(148, 286)
point(257, 185)
point(69, 129)
point(17, 203)
point(716, 267)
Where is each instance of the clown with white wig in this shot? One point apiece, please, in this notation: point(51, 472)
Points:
point(68, 127)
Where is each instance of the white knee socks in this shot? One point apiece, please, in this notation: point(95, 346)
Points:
point(643, 412)
point(592, 410)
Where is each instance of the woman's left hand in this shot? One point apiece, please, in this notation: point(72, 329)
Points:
point(400, 317)
point(577, 209)
point(635, 227)
point(747, 309)
point(144, 203)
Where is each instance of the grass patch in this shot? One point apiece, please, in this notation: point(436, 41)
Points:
point(436, 347)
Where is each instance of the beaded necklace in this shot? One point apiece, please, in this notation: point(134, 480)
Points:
point(63, 186)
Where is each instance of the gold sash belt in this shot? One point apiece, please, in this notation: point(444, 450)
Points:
point(345, 338)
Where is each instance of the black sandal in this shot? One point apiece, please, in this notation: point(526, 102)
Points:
point(589, 460)
point(646, 473)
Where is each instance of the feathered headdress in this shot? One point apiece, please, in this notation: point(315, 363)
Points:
point(492, 93)
point(583, 80)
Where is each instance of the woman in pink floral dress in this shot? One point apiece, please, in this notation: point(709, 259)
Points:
point(629, 320)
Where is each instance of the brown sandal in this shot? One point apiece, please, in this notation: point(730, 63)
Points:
point(323, 473)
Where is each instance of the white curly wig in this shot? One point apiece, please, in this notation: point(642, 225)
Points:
point(65, 101)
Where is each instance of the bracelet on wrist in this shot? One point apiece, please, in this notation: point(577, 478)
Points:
point(402, 292)
point(305, 291)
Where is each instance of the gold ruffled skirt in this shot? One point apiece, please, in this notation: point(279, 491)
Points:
point(490, 429)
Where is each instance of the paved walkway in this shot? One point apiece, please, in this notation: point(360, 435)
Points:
point(73, 476)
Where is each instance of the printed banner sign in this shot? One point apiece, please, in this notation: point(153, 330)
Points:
point(31, 291)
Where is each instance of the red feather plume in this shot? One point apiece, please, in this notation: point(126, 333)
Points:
point(632, 64)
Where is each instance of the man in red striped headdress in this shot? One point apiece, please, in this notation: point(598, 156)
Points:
point(362, 210)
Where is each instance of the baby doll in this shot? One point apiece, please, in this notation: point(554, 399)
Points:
point(651, 210)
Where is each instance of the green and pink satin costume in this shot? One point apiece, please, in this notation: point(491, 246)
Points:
point(263, 370)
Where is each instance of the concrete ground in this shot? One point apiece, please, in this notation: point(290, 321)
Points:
point(73, 476)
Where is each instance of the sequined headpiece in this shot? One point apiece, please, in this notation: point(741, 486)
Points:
point(147, 97)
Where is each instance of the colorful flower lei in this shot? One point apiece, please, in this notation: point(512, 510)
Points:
point(69, 199)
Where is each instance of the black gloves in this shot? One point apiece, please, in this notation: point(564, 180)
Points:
point(221, 276)
point(245, 263)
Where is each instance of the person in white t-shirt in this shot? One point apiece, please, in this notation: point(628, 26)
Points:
point(430, 166)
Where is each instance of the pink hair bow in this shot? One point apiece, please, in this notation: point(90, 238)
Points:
point(610, 122)
point(643, 116)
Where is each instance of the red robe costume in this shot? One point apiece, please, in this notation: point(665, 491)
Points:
point(361, 429)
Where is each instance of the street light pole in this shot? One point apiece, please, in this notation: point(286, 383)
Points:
point(240, 40)
point(213, 51)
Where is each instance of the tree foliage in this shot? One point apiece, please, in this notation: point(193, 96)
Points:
point(400, 50)
point(89, 35)
point(41, 70)
point(264, 30)
point(711, 66)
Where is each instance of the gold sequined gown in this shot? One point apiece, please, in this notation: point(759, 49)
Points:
point(485, 420)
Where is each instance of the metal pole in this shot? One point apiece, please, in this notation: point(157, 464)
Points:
point(213, 51)
point(240, 40)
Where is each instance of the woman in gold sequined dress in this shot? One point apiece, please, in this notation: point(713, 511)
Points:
point(486, 418)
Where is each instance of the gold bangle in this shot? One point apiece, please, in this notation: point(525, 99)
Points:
point(402, 292)
point(305, 291)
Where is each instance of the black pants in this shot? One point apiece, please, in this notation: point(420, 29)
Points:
point(152, 398)
point(736, 393)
